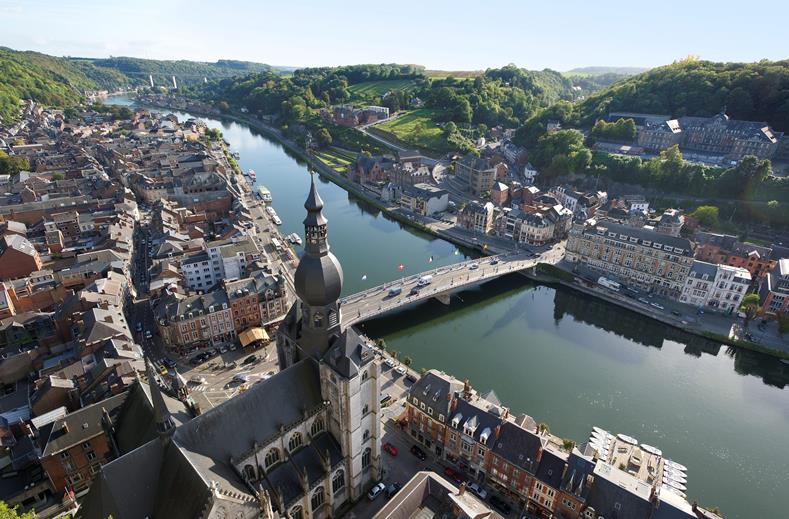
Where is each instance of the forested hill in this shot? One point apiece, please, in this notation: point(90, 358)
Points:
point(186, 72)
point(48, 80)
point(750, 91)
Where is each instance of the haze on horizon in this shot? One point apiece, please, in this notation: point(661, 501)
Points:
point(439, 34)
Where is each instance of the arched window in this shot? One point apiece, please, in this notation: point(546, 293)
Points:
point(317, 427)
point(366, 458)
point(366, 435)
point(365, 409)
point(272, 457)
point(296, 512)
point(317, 320)
point(338, 481)
point(249, 472)
point(294, 442)
point(364, 375)
point(317, 498)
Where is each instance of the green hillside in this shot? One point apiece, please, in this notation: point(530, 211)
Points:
point(186, 72)
point(750, 91)
point(379, 88)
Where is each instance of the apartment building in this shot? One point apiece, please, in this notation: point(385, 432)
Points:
point(641, 257)
point(774, 291)
point(717, 287)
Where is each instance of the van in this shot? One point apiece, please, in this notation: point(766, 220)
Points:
point(395, 291)
point(424, 281)
point(386, 399)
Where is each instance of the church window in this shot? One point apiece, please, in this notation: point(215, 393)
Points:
point(364, 375)
point(249, 472)
point(317, 498)
point(296, 512)
point(317, 320)
point(317, 427)
point(294, 442)
point(366, 435)
point(366, 458)
point(272, 457)
point(338, 481)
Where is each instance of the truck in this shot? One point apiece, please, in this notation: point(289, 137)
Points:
point(424, 281)
point(607, 283)
point(395, 291)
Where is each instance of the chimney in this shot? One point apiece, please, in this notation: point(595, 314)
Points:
point(497, 431)
point(107, 318)
point(64, 428)
point(462, 489)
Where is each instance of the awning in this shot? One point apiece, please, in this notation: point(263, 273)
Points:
point(247, 337)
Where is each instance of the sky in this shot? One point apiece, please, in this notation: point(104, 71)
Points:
point(439, 34)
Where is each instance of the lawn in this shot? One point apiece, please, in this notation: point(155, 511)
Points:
point(336, 158)
point(378, 88)
point(417, 129)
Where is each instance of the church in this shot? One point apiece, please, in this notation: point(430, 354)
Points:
point(303, 444)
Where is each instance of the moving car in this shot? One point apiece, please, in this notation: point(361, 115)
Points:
point(162, 370)
point(500, 505)
point(419, 453)
point(391, 449)
point(250, 359)
point(478, 491)
point(170, 363)
point(376, 491)
point(197, 379)
point(658, 306)
point(473, 266)
point(395, 291)
point(453, 476)
point(241, 379)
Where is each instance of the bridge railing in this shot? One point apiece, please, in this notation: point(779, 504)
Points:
point(413, 277)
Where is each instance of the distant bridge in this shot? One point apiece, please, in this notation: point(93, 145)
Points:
point(376, 301)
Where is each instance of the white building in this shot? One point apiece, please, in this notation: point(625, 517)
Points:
point(225, 259)
point(718, 287)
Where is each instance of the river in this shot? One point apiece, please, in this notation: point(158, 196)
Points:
point(565, 359)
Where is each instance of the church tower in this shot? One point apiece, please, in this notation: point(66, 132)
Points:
point(318, 282)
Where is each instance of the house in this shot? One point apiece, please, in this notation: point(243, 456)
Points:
point(476, 217)
point(476, 173)
point(18, 257)
point(728, 250)
point(499, 194)
point(670, 222)
point(424, 199)
point(774, 291)
point(715, 287)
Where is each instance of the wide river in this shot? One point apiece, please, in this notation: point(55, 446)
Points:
point(565, 359)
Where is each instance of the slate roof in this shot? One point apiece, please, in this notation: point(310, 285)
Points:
point(434, 389)
point(348, 352)
point(518, 446)
point(612, 486)
point(551, 467)
point(82, 425)
point(641, 235)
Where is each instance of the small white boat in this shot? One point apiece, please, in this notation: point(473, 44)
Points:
point(599, 430)
point(652, 450)
point(676, 466)
point(294, 238)
point(673, 476)
point(674, 484)
point(252, 174)
point(627, 439)
point(264, 194)
point(276, 220)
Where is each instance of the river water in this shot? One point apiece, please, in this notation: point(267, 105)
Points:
point(565, 359)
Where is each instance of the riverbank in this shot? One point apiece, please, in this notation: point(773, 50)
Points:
point(710, 329)
point(543, 277)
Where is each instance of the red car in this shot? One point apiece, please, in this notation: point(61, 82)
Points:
point(391, 449)
point(454, 476)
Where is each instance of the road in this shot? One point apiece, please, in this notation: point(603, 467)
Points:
point(382, 299)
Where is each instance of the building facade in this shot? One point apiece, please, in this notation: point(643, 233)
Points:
point(641, 257)
point(716, 287)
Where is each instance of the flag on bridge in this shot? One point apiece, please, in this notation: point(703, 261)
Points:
point(430, 259)
point(401, 267)
point(364, 277)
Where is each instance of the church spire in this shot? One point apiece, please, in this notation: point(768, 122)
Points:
point(165, 426)
point(315, 224)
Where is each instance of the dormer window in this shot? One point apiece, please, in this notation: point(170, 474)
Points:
point(483, 438)
point(456, 420)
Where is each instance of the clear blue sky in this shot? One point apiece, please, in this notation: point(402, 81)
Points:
point(448, 35)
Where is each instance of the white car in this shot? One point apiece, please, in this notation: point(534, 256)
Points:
point(400, 370)
point(376, 491)
point(197, 380)
point(390, 363)
point(473, 266)
point(479, 492)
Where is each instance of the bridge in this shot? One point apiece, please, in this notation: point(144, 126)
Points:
point(379, 300)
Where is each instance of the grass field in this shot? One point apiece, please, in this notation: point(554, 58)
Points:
point(417, 129)
point(336, 158)
point(457, 74)
point(379, 88)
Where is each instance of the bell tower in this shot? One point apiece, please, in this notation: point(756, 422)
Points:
point(318, 281)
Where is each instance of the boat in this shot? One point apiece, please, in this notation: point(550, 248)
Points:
point(652, 450)
point(264, 194)
point(235, 155)
point(673, 476)
point(276, 220)
point(627, 439)
point(674, 484)
point(294, 238)
point(251, 174)
point(676, 466)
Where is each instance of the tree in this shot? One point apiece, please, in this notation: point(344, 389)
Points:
point(707, 215)
point(561, 152)
point(7, 512)
point(407, 361)
point(750, 307)
point(223, 105)
point(11, 165)
point(324, 138)
point(58, 175)
point(783, 324)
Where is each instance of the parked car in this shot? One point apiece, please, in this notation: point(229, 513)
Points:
point(658, 306)
point(478, 491)
point(674, 312)
point(376, 491)
point(197, 380)
point(500, 505)
point(223, 349)
point(250, 359)
point(389, 362)
point(170, 363)
point(419, 453)
point(138, 327)
point(241, 379)
point(392, 489)
point(400, 370)
point(450, 473)
point(391, 449)
point(473, 266)
point(148, 334)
